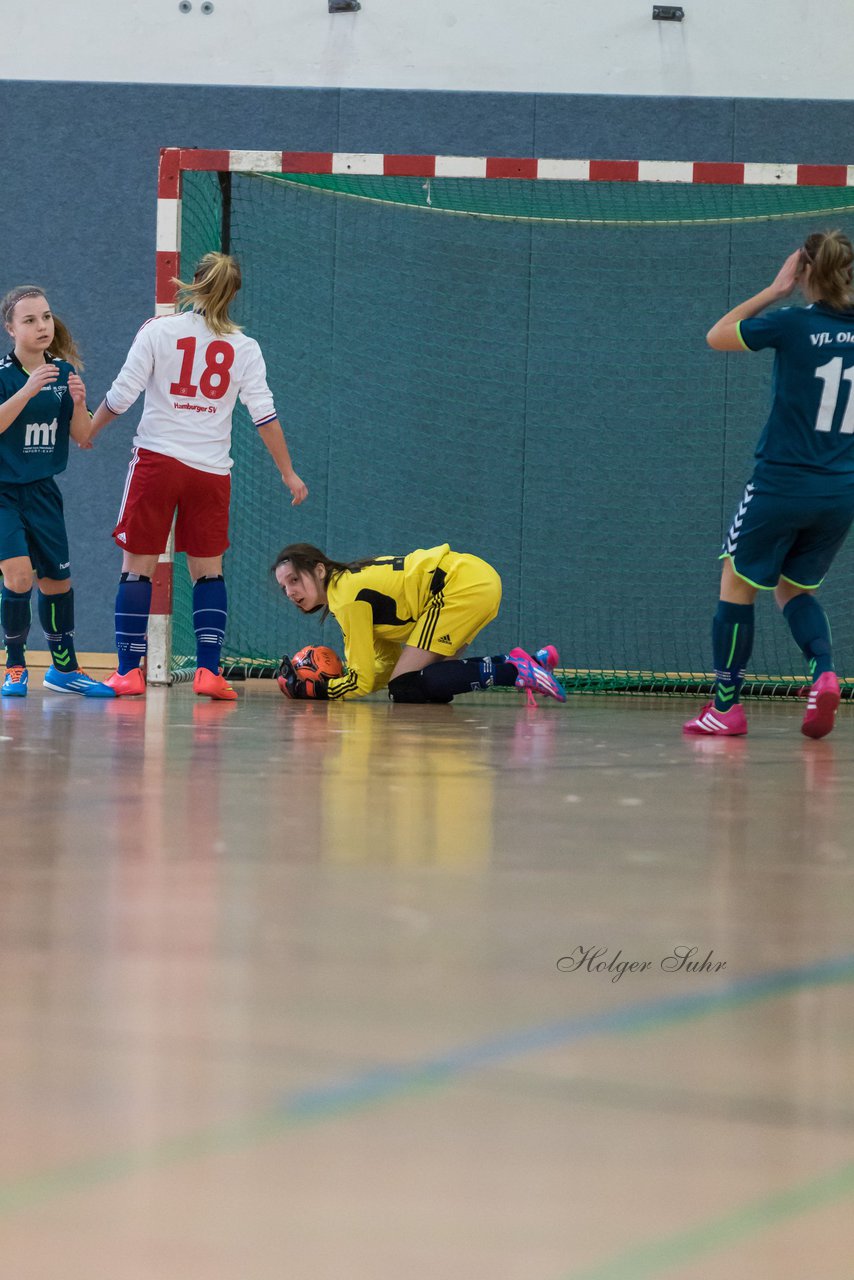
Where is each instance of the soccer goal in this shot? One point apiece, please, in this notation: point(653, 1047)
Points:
point(507, 355)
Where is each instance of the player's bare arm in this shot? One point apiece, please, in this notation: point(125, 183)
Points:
point(80, 424)
point(102, 417)
point(276, 445)
point(724, 335)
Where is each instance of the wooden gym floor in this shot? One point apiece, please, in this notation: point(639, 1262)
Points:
point(299, 992)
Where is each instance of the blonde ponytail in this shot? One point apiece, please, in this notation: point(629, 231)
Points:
point(830, 257)
point(215, 284)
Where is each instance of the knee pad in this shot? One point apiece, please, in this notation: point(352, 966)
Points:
point(410, 687)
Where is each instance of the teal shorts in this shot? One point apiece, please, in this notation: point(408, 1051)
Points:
point(775, 536)
point(32, 524)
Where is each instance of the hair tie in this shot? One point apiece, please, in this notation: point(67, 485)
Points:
point(30, 293)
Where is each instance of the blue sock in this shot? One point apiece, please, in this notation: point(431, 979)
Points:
point(732, 644)
point(462, 675)
point(15, 617)
point(210, 611)
point(56, 614)
point(133, 607)
point(811, 630)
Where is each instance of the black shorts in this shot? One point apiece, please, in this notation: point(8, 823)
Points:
point(775, 536)
point(32, 524)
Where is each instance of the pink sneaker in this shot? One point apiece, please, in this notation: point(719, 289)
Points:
point(821, 708)
point(534, 678)
point(547, 657)
point(723, 724)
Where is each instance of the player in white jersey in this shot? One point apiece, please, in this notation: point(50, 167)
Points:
point(192, 367)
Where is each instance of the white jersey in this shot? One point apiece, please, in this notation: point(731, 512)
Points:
point(191, 379)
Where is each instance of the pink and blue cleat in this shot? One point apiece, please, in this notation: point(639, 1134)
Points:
point(718, 724)
point(534, 674)
point(547, 657)
point(821, 708)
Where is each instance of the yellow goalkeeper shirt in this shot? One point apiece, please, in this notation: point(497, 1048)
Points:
point(377, 608)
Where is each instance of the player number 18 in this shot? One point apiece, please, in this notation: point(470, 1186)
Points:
point(213, 384)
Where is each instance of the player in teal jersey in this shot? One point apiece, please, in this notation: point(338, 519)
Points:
point(799, 505)
point(42, 406)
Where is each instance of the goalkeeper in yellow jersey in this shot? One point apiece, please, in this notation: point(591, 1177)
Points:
point(406, 621)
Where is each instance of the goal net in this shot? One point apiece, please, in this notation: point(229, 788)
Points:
point(508, 356)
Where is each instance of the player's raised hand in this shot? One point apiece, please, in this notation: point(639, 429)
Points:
point(41, 378)
point(76, 388)
point(787, 277)
point(299, 491)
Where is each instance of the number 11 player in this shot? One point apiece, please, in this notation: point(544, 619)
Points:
point(192, 367)
point(799, 505)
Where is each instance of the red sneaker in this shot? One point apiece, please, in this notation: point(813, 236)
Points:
point(208, 685)
point(821, 708)
point(130, 685)
point(721, 724)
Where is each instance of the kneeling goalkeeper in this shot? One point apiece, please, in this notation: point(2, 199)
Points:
point(406, 621)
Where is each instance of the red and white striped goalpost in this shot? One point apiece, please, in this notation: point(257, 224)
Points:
point(175, 161)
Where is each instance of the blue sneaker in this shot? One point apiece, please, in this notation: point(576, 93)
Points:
point(76, 682)
point(15, 684)
point(534, 678)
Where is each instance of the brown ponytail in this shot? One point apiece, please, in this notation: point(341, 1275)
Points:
point(830, 257)
point(304, 558)
point(63, 346)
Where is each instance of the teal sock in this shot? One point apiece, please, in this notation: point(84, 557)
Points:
point(15, 621)
point(811, 630)
point(732, 645)
point(56, 614)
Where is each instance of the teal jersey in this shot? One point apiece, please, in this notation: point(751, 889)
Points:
point(35, 446)
point(807, 444)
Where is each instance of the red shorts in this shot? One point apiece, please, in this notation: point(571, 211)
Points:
point(155, 486)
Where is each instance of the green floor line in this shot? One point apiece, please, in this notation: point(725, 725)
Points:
point(383, 1084)
point(656, 1259)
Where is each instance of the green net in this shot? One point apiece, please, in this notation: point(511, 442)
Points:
point(517, 368)
point(610, 203)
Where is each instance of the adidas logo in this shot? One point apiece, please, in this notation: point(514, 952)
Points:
point(445, 640)
point(121, 537)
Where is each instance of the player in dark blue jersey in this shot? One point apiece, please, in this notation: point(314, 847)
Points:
point(42, 406)
point(799, 505)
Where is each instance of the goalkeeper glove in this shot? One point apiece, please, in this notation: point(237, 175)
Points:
point(292, 687)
